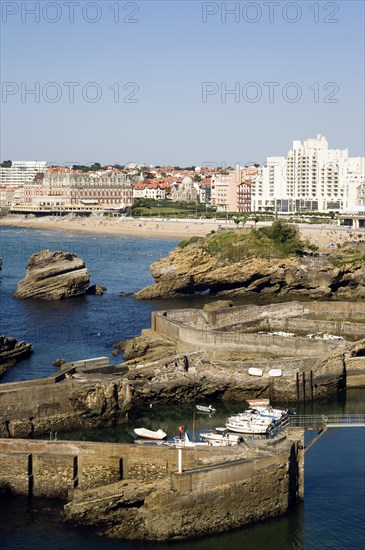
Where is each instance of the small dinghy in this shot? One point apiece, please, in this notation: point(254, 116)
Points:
point(149, 434)
point(206, 409)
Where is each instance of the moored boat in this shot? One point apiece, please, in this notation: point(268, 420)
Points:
point(264, 409)
point(185, 443)
point(206, 409)
point(246, 423)
point(149, 434)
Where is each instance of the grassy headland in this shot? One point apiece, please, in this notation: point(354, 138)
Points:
point(279, 240)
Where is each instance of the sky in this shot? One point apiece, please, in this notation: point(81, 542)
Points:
point(179, 83)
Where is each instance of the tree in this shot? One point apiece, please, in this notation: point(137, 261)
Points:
point(7, 164)
point(286, 235)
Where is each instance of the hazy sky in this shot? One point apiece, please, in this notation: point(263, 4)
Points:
point(149, 81)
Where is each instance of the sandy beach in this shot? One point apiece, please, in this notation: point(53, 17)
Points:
point(324, 236)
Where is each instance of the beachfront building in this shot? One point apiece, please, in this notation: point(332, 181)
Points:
point(57, 189)
point(21, 172)
point(205, 191)
point(150, 190)
point(232, 189)
point(11, 195)
point(354, 195)
point(311, 178)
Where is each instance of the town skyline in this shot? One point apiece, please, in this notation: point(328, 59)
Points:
point(312, 177)
point(164, 164)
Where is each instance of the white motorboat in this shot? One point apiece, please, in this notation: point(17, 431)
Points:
point(185, 443)
point(149, 434)
point(264, 409)
point(249, 423)
point(206, 409)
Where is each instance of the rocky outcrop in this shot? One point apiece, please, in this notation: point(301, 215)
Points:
point(11, 351)
point(78, 401)
point(53, 276)
point(149, 345)
point(195, 269)
point(96, 290)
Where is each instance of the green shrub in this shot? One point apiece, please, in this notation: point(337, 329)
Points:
point(194, 239)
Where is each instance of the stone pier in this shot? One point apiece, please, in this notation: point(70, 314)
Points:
point(135, 492)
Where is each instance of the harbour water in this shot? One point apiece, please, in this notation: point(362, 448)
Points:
point(332, 516)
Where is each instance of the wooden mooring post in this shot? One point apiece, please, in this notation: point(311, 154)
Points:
point(311, 384)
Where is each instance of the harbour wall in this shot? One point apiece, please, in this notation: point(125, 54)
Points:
point(130, 491)
point(55, 469)
point(215, 343)
point(224, 316)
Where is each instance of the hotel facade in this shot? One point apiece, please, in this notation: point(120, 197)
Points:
point(55, 189)
point(311, 178)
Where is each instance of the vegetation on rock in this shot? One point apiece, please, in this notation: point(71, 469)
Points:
point(267, 260)
point(276, 241)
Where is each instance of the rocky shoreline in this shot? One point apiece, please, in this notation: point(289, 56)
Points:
point(228, 264)
point(166, 366)
point(12, 351)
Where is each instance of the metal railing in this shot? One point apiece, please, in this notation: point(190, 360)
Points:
point(318, 421)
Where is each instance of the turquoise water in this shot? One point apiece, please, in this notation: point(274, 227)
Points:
point(333, 514)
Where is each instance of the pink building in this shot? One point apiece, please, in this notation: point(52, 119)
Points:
point(231, 191)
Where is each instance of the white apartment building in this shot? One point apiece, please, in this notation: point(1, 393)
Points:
point(21, 172)
point(311, 178)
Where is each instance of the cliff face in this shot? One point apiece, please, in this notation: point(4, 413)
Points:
point(195, 269)
point(53, 276)
point(12, 351)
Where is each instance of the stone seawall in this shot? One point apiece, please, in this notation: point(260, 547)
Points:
point(135, 492)
point(349, 331)
point(343, 310)
point(216, 343)
point(63, 402)
point(56, 468)
point(252, 486)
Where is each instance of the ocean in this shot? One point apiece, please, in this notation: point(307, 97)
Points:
point(333, 513)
